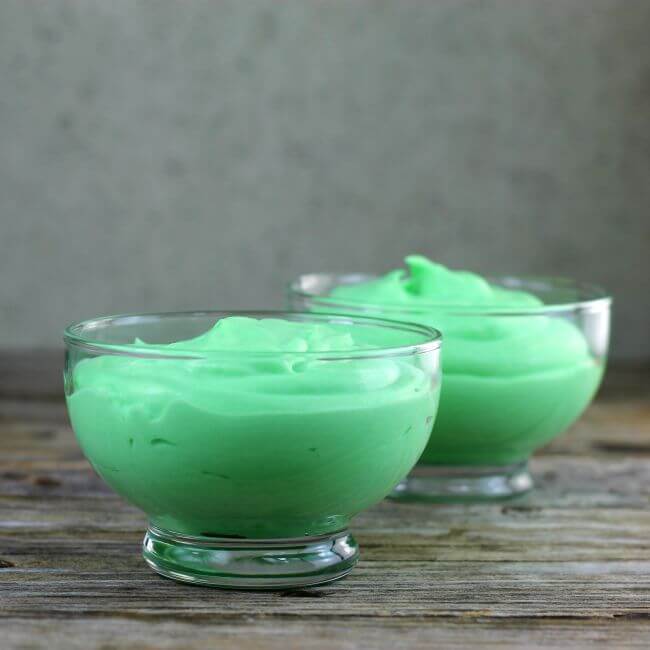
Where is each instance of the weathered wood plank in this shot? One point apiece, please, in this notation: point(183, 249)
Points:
point(614, 480)
point(39, 430)
point(434, 595)
point(587, 560)
point(413, 633)
point(566, 566)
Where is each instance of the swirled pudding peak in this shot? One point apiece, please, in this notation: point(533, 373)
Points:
point(432, 283)
point(271, 335)
point(268, 335)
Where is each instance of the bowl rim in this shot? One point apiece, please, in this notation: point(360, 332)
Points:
point(73, 338)
point(594, 297)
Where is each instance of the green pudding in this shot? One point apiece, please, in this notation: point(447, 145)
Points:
point(257, 428)
point(516, 371)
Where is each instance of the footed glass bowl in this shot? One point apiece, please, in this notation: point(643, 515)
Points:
point(250, 463)
point(513, 379)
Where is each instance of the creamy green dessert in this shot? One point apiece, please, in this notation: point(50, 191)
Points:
point(257, 428)
point(513, 378)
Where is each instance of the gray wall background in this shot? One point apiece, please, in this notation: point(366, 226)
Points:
point(160, 155)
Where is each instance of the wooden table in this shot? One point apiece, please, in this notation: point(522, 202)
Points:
point(566, 566)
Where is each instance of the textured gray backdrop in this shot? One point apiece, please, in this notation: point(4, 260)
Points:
point(177, 154)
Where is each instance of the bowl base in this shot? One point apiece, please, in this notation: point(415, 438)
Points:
point(250, 563)
point(437, 483)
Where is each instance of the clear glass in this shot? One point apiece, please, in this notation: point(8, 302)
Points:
point(249, 464)
point(512, 379)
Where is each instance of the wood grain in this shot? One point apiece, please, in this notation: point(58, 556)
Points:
point(567, 565)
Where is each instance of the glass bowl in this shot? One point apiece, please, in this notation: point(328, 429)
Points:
point(512, 379)
point(248, 464)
